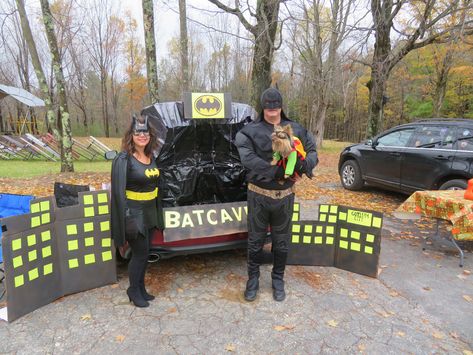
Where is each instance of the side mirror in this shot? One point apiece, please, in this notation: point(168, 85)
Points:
point(369, 142)
point(111, 154)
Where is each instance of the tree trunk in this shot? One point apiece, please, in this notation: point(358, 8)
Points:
point(441, 82)
point(63, 111)
point(43, 86)
point(184, 46)
point(150, 48)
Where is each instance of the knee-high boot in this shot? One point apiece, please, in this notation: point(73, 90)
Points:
point(252, 285)
point(277, 275)
point(147, 296)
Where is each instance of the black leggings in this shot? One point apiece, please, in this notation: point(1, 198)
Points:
point(139, 258)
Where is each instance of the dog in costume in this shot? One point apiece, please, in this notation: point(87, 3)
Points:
point(286, 149)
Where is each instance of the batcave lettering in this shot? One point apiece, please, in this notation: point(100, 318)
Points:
point(201, 217)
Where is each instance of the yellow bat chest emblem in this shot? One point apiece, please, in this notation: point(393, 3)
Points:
point(208, 105)
point(152, 172)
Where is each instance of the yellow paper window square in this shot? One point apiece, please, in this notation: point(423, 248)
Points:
point(17, 262)
point(103, 209)
point(368, 250)
point(19, 280)
point(16, 244)
point(102, 198)
point(342, 216)
point(72, 245)
point(376, 222)
point(73, 263)
point(324, 208)
point(323, 217)
point(33, 274)
point(88, 200)
point(319, 229)
point(44, 206)
point(343, 244)
point(295, 217)
point(71, 229)
point(344, 233)
point(32, 255)
point(333, 209)
point(296, 228)
point(332, 219)
point(35, 221)
point(330, 230)
point(88, 227)
point(308, 228)
point(89, 241)
point(318, 240)
point(45, 236)
point(106, 242)
point(295, 239)
point(46, 251)
point(307, 239)
point(106, 255)
point(47, 269)
point(296, 207)
point(89, 259)
point(34, 208)
point(89, 212)
point(31, 240)
point(329, 240)
point(105, 226)
point(355, 246)
point(355, 235)
point(370, 238)
point(45, 218)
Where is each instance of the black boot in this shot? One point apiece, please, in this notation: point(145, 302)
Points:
point(135, 296)
point(144, 293)
point(252, 285)
point(277, 275)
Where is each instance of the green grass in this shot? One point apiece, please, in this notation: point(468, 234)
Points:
point(25, 169)
point(329, 146)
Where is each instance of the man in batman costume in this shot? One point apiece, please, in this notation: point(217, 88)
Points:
point(270, 203)
point(135, 206)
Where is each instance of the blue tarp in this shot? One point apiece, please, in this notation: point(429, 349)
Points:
point(12, 205)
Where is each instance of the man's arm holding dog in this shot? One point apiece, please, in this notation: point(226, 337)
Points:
point(307, 165)
point(253, 162)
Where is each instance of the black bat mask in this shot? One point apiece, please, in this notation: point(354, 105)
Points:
point(140, 127)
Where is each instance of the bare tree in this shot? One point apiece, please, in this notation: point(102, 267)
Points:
point(264, 33)
point(150, 48)
point(184, 46)
point(63, 110)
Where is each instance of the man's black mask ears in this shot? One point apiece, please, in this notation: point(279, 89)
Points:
point(271, 98)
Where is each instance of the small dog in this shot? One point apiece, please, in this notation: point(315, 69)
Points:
point(283, 148)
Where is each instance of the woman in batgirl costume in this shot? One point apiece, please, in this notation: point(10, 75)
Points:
point(135, 207)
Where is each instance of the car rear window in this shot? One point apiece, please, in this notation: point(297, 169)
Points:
point(441, 137)
point(465, 139)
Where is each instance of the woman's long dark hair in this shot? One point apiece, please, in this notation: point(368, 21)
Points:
point(127, 141)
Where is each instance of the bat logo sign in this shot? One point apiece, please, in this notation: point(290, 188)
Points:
point(208, 105)
point(152, 172)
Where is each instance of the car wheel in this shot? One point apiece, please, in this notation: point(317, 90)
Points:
point(455, 184)
point(350, 175)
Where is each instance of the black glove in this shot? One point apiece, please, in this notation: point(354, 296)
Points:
point(300, 167)
point(279, 175)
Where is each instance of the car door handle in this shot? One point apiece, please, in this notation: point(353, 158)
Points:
point(441, 157)
point(395, 154)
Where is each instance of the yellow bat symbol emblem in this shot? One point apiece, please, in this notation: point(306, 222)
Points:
point(208, 105)
point(152, 172)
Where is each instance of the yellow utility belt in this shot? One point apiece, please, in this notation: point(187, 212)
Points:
point(141, 196)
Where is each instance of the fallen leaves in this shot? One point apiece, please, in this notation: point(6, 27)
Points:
point(468, 298)
point(120, 338)
point(438, 335)
point(280, 328)
point(401, 334)
point(86, 317)
point(333, 323)
point(230, 347)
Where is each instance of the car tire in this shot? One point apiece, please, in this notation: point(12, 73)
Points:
point(455, 184)
point(350, 175)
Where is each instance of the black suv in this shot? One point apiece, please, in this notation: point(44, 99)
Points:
point(435, 154)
